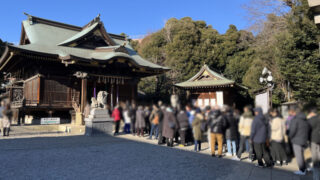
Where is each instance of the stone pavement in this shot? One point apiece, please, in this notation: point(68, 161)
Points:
point(121, 157)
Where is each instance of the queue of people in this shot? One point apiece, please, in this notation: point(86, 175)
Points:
point(267, 138)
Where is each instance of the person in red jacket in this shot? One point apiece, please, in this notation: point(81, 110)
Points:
point(117, 117)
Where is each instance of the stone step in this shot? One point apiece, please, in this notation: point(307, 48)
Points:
point(38, 129)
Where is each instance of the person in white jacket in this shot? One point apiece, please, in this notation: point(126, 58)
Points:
point(127, 120)
point(278, 132)
point(244, 128)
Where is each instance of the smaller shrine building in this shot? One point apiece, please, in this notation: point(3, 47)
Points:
point(209, 88)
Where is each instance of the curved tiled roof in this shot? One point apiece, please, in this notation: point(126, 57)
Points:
point(215, 80)
point(48, 37)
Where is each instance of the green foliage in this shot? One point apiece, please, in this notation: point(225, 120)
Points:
point(185, 46)
point(298, 53)
point(287, 45)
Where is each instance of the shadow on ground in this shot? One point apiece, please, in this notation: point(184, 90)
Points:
point(108, 157)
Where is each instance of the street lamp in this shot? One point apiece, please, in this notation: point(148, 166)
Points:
point(266, 78)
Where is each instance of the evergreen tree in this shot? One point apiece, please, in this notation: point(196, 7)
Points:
point(298, 53)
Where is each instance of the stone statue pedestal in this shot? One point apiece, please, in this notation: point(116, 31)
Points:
point(99, 122)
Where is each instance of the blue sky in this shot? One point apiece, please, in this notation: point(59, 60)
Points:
point(134, 18)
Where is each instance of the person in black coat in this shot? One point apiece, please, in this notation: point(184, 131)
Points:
point(161, 139)
point(314, 138)
point(182, 118)
point(231, 132)
point(217, 125)
point(298, 133)
point(132, 114)
point(259, 137)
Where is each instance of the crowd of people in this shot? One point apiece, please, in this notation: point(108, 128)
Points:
point(268, 138)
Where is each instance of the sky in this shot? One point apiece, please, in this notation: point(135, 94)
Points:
point(133, 17)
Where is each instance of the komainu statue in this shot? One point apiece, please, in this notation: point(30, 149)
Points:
point(102, 99)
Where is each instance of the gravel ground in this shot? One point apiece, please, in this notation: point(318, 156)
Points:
point(106, 157)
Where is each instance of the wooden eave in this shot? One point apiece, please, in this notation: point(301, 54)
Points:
point(208, 87)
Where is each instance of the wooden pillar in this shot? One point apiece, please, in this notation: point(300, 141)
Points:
point(134, 90)
point(111, 96)
point(84, 83)
point(117, 100)
point(83, 93)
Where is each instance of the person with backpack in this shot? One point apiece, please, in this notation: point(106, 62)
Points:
point(298, 133)
point(259, 135)
point(314, 138)
point(154, 121)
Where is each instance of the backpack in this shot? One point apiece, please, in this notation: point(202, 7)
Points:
point(204, 126)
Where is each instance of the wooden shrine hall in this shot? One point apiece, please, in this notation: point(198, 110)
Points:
point(57, 68)
point(209, 88)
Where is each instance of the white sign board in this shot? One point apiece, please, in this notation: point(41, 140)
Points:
point(213, 102)
point(199, 102)
point(206, 102)
point(219, 98)
point(262, 100)
point(50, 120)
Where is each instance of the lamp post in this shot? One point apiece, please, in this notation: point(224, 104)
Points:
point(267, 79)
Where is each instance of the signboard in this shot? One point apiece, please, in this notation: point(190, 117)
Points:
point(262, 100)
point(206, 102)
point(50, 120)
point(220, 98)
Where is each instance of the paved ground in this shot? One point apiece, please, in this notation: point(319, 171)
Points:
point(123, 157)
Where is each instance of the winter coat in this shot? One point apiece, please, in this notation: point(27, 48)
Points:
point(132, 114)
point(183, 120)
point(216, 122)
point(244, 125)
point(6, 120)
point(191, 116)
point(299, 130)
point(278, 129)
point(116, 114)
point(196, 127)
point(232, 128)
point(314, 123)
point(160, 114)
point(140, 119)
point(153, 114)
point(259, 128)
point(1, 117)
point(168, 119)
point(126, 116)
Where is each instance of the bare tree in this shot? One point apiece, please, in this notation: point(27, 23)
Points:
point(258, 11)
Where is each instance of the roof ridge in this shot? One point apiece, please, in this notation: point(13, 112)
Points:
point(205, 67)
point(52, 23)
point(70, 26)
